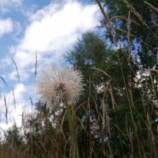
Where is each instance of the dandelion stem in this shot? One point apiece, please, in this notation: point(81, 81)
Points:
point(72, 132)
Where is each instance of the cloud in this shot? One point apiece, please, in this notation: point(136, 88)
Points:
point(15, 103)
point(50, 25)
point(13, 97)
point(9, 2)
point(52, 31)
point(7, 5)
point(6, 26)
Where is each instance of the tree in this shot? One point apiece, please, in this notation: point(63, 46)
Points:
point(115, 117)
point(134, 22)
point(13, 137)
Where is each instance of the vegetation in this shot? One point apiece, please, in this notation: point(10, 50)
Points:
point(117, 114)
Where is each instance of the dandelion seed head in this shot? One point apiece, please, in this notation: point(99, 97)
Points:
point(56, 85)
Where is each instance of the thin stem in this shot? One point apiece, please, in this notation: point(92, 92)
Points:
point(72, 132)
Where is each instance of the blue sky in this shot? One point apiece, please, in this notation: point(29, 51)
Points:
point(29, 27)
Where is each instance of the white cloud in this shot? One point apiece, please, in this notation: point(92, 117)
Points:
point(52, 31)
point(9, 2)
point(7, 5)
point(14, 95)
point(16, 105)
point(6, 26)
point(50, 25)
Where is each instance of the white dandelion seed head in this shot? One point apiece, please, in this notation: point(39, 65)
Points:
point(56, 85)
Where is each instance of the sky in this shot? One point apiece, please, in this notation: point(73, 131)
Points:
point(35, 32)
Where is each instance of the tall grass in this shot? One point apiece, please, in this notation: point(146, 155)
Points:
point(127, 129)
point(97, 135)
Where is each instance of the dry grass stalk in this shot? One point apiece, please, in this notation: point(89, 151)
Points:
point(140, 18)
point(108, 22)
point(16, 67)
point(151, 6)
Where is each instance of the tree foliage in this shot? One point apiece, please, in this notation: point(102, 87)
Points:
point(117, 109)
point(135, 22)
